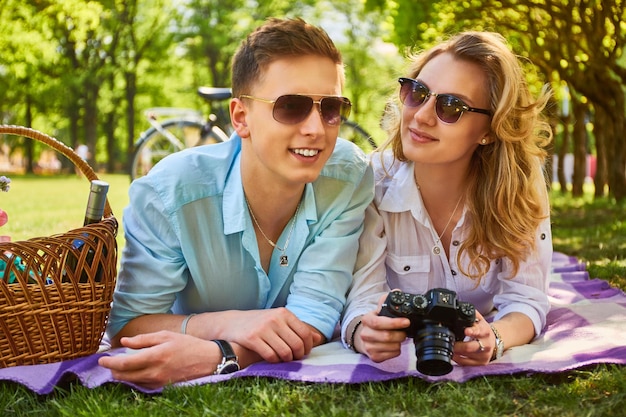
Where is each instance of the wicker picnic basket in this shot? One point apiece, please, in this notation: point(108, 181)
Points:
point(55, 299)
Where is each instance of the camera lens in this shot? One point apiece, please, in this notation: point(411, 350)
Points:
point(434, 346)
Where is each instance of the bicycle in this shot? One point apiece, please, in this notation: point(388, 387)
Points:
point(174, 129)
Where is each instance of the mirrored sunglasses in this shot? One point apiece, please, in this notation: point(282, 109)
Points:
point(449, 108)
point(294, 108)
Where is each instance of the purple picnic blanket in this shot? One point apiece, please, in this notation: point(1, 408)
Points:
point(586, 325)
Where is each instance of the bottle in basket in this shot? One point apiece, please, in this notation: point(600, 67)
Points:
point(96, 202)
point(93, 214)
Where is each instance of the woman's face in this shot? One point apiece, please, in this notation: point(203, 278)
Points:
point(426, 139)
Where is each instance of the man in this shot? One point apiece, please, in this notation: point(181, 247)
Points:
point(243, 251)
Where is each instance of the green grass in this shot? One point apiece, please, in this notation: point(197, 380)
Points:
point(41, 206)
point(591, 230)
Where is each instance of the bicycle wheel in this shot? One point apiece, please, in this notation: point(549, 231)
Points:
point(172, 136)
point(351, 131)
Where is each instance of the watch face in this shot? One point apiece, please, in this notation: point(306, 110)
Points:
point(228, 368)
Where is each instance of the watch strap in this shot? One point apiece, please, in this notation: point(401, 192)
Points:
point(230, 362)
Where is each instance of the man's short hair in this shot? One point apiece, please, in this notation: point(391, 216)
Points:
point(276, 39)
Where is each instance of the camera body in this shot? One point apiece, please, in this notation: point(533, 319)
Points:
point(438, 319)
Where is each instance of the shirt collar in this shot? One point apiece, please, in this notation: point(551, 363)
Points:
point(234, 207)
point(401, 193)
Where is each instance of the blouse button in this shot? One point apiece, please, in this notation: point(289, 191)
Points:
point(456, 243)
point(543, 236)
point(453, 272)
point(407, 268)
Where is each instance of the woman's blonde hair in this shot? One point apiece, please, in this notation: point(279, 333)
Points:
point(506, 196)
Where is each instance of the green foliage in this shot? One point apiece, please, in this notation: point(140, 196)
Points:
point(577, 45)
point(85, 71)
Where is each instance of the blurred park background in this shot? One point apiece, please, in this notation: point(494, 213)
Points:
point(84, 71)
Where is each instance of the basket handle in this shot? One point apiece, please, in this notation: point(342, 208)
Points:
point(59, 146)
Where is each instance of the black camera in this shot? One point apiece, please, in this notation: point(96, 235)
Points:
point(438, 319)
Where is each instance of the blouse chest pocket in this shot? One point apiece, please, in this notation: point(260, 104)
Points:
point(409, 273)
point(404, 265)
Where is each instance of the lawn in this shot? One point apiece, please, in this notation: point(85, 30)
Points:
point(592, 231)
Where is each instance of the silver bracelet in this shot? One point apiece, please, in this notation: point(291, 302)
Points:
point(183, 327)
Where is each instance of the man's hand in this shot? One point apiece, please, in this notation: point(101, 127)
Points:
point(275, 334)
point(165, 357)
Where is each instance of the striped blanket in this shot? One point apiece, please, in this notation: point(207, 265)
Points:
point(586, 325)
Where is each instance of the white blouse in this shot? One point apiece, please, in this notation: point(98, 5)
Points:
point(396, 252)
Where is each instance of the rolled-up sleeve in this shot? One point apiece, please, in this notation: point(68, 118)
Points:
point(153, 269)
point(369, 281)
point(527, 292)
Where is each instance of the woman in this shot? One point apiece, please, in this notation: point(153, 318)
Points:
point(460, 202)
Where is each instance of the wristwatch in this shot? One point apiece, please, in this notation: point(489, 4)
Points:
point(498, 350)
point(230, 362)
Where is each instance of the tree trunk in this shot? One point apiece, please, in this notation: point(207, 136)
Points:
point(131, 92)
point(562, 151)
point(580, 146)
point(91, 121)
point(28, 146)
point(601, 122)
point(613, 104)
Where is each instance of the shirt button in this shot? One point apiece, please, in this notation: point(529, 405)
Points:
point(543, 236)
point(407, 268)
point(456, 243)
point(453, 272)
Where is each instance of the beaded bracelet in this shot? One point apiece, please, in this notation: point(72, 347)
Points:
point(351, 340)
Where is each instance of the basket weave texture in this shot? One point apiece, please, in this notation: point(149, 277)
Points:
point(58, 302)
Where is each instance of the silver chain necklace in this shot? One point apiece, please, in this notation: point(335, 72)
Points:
point(284, 260)
point(436, 248)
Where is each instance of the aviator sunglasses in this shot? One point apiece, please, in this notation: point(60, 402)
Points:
point(293, 108)
point(449, 108)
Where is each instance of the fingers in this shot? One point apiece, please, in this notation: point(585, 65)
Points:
point(380, 338)
point(142, 367)
point(477, 349)
point(146, 340)
point(279, 336)
point(176, 358)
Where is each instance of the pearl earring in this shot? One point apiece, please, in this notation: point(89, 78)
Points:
point(484, 141)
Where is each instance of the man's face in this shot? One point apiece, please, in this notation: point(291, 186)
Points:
point(283, 153)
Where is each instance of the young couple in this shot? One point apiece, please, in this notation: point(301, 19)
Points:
point(246, 251)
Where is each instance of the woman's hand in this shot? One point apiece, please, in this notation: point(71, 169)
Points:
point(380, 337)
point(478, 349)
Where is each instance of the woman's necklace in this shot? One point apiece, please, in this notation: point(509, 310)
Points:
point(436, 249)
point(284, 260)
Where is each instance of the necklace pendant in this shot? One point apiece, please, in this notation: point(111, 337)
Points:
point(284, 260)
point(436, 250)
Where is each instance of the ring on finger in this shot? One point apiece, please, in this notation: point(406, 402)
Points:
point(481, 348)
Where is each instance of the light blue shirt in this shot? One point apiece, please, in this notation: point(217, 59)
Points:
point(191, 245)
